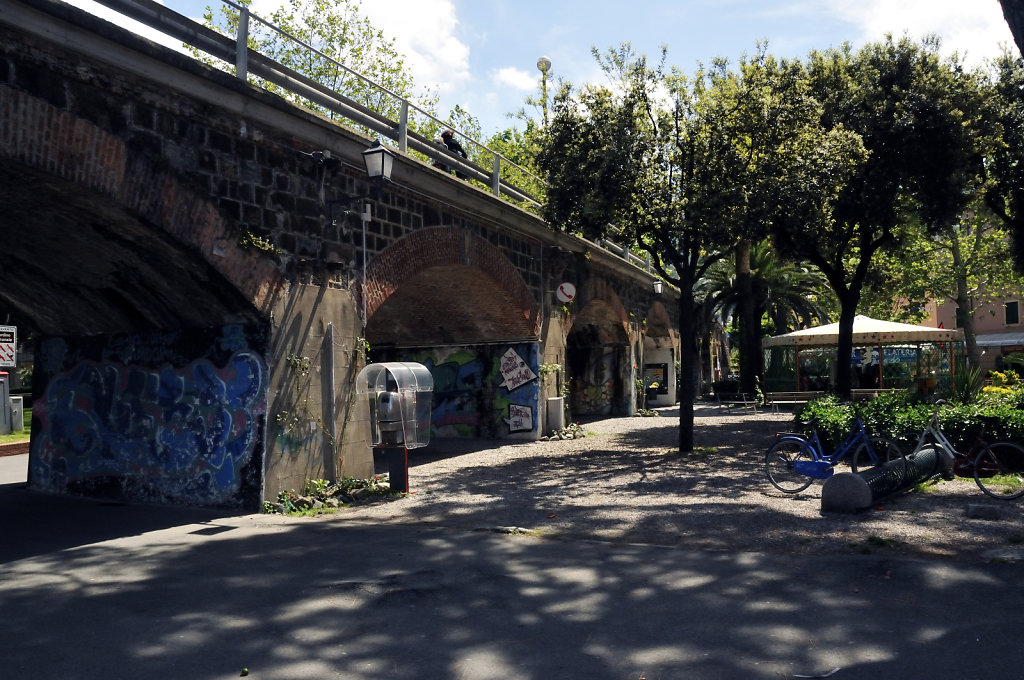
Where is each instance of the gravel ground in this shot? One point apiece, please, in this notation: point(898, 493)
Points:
point(625, 482)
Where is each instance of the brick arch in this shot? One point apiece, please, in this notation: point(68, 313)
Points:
point(598, 303)
point(658, 322)
point(446, 247)
point(57, 142)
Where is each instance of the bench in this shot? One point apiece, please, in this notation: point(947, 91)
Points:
point(776, 399)
point(869, 393)
point(738, 399)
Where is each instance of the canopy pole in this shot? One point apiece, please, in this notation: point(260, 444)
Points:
point(796, 351)
point(881, 360)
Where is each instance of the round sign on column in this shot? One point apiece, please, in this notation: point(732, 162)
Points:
point(8, 345)
point(566, 292)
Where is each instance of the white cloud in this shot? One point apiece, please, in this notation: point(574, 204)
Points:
point(975, 29)
point(424, 31)
point(515, 78)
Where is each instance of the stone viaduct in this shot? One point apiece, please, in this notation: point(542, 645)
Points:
point(201, 304)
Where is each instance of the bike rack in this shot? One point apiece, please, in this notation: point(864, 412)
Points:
point(856, 491)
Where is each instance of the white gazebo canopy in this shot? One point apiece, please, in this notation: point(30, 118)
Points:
point(866, 331)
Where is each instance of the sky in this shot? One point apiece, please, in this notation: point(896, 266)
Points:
point(482, 54)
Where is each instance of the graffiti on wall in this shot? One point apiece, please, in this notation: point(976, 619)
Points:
point(595, 390)
point(167, 433)
point(481, 391)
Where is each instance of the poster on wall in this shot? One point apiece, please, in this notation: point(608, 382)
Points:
point(482, 391)
point(514, 371)
point(520, 418)
point(656, 374)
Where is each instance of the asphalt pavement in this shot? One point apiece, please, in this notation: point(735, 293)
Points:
point(94, 590)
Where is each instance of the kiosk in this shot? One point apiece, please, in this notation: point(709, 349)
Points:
point(400, 399)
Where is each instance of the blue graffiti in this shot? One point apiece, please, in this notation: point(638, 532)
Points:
point(169, 434)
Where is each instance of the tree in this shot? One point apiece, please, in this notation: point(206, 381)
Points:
point(1005, 195)
point(685, 166)
point(965, 264)
point(340, 35)
point(918, 117)
point(1013, 12)
point(786, 296)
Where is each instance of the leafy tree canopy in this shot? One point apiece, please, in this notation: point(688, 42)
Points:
point(346, 44)
point(1005, 195)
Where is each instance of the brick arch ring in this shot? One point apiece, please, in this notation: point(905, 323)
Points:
point(81, 152)
point(445, 246)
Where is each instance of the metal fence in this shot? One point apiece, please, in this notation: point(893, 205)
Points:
point(254, 67)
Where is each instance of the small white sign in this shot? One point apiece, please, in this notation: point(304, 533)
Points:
point(8, 345)
point(520, 418)
point(566, 292)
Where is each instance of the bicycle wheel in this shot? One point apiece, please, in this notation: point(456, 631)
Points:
point(999, 470)
point(886, 451)
point(778, 465)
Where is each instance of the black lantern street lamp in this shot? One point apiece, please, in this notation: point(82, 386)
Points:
point(379, 160)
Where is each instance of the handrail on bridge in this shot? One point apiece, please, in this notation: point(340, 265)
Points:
point(247, 61)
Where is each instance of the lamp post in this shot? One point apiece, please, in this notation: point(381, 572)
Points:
point(544, 65)
point(378, 161)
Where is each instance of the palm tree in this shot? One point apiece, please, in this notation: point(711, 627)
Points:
point(790, 295)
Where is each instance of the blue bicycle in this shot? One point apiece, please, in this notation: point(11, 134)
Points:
point(794, 461)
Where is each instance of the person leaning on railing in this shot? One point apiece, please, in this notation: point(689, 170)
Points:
point(448, 137)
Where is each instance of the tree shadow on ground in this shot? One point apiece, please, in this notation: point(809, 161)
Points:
point(634, 486)
point(323, 599)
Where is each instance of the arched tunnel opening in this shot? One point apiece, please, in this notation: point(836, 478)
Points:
point(598, 363)
point(479, 345)
point(149, 375)
point(74, 264)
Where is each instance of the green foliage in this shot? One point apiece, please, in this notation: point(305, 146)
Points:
point(787, 295)
point(545, 370)
point(340, 34)
point(967, 382)
point(1006, 159)
point(896, 416)
point(919, 122)
point(251, 241)
point(521, 147)
point(964, 263)
point(902, 418)
point(1004, 378)
point(320, 496)
point(830, 417)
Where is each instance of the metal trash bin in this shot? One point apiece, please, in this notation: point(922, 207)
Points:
point(17, 414)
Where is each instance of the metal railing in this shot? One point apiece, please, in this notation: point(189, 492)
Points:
point(249, 63)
